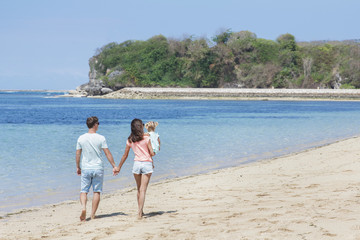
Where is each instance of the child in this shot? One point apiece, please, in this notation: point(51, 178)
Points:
point(154, 136)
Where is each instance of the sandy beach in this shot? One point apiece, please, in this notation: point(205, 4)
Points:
point(314, 194)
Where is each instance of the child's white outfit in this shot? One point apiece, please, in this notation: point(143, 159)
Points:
point(154, 141)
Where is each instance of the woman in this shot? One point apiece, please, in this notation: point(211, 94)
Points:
point(142, 169)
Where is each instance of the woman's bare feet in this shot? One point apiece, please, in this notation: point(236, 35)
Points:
point(83, 216)
point(140, 215)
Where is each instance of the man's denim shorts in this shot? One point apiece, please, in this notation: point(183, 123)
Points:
point(92, 177)
point(142, 167)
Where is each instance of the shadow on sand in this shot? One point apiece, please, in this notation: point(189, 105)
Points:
point(109, 215)
point(153, 214)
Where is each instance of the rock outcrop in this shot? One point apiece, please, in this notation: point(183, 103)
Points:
point(95, 86)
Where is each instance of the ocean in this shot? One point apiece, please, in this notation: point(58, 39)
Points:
point(39, 131)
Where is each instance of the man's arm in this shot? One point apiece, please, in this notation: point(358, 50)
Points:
point(110, 158)
point(78, 155)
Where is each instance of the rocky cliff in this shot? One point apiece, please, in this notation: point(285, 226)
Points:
point(95, 86)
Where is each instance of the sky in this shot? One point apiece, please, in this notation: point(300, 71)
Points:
point(46, 44)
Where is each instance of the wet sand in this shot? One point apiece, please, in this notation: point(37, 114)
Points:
point(313, 194)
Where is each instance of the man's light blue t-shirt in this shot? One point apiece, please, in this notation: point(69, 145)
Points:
point(91, 145)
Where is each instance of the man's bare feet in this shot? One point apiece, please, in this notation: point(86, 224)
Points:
point(83, 216)
point(93, 217)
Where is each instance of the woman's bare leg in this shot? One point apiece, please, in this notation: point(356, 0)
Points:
point(142, 182)
point(138, 184)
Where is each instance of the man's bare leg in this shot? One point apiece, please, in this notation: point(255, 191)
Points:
point(83, 200)
point(95, 204)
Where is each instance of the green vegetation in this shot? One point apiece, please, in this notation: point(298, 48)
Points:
point(231, 59)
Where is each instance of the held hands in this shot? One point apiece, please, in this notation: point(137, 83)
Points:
point(116, 171)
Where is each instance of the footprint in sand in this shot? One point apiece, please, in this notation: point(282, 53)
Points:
point(285, 230)
point(356, 227)
point(262, 194)
point(329, 234)
point(234, 215)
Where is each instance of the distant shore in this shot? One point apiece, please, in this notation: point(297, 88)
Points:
point(217, 94)
point(30, 90)
point(233, 94)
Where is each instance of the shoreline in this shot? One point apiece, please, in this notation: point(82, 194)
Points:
point(300, 194)
point(231, 94)
point(236, 94)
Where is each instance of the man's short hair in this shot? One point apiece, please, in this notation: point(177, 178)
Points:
point(91, 121)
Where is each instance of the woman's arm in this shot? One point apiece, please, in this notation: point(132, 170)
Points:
point(124, 157)
point(159, 142)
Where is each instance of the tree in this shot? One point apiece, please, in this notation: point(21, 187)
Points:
point(287, 41)
point(266, 51)
point(307, 64)
point(242, 45)
point(223, 64)
point(222, 37)
point(197, 64)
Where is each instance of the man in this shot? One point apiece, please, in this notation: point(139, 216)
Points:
point(90, 145)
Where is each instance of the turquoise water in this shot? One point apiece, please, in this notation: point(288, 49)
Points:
point(39, 133)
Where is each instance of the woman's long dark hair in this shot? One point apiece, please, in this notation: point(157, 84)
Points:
point(137, 131)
